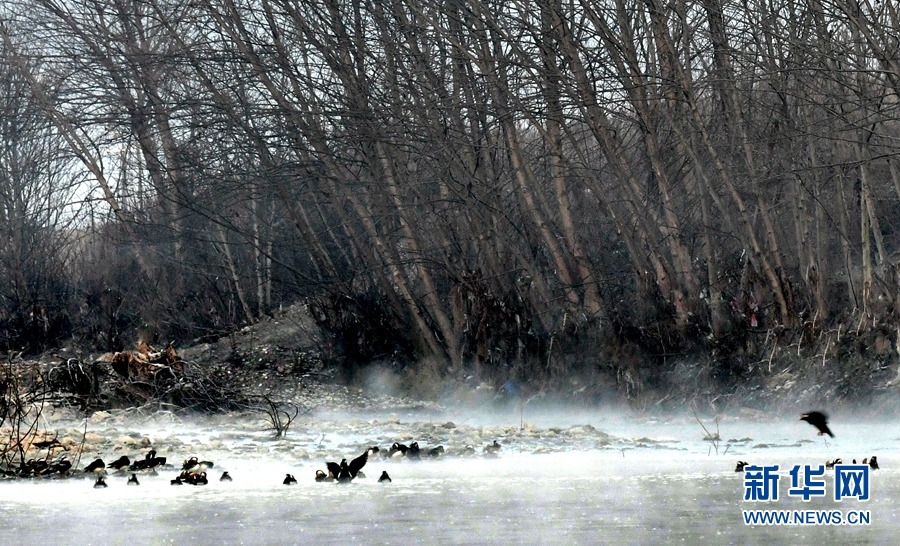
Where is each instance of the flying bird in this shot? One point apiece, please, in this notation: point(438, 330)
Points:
point(818, 420)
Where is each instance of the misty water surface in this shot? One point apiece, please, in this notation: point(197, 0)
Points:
point(658, 482)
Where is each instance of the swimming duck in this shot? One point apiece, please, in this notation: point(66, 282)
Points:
point(226, 477)
point(100, 483)
point(133, 480)
point(196, 479)
point(149, 462)
point(397, 450)
point(59, 467)
point(120, 463)
point(195, 465)
point(323, 477)
point(344, 473)
point(818, 420)
point(289, 479)
point(830, 464)
point(176, 481)
point(873, 462)
point(190, 464)
point(436, 452)
point(414, 452)
point(740, 466)
point(492, 449)
point(34, 467)
point(97, 466)
point(384, 477)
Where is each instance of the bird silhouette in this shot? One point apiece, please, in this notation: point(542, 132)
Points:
point(818, 420)
point(740, 466)
point(344, 473)
point(50, 444)
point(120, 463)
point(289, 479)
point(177, 481)
point(491, 450)
point(148, 462)
point(873, 462)
point(60, 467)
point(100, 483)
point(384, 477)
point(133, 480)
point(226, 477)
point(321, 476)
point(397, 450)
point(97, 466)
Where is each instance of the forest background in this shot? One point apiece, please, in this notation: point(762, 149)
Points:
point(616, 196)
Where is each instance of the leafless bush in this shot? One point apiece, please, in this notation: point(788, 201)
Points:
point(712, 437)
point(23, 396)
point(279, 414)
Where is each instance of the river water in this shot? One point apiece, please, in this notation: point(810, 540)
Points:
point(650, 482)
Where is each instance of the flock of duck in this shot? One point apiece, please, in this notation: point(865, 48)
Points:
point(871, 461)
point(820, 421)
point(194, 471)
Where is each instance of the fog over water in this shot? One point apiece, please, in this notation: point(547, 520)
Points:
point(619, 480)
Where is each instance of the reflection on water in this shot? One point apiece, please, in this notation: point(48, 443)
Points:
point(666, 488)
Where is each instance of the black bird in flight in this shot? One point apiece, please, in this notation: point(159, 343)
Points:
point(818, 420)
point(344, 473)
